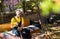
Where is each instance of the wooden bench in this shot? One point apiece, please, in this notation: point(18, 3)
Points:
point(6, 26)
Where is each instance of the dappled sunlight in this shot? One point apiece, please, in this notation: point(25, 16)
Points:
point(55, 28)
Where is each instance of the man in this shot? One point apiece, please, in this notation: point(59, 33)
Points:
point(17, 19)
point(17, 22)
point(17, 25)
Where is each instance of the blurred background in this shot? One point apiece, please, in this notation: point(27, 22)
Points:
point(37, 9)
point(43, 8)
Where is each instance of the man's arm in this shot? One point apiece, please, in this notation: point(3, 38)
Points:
point(13, 23)
point(22, 24)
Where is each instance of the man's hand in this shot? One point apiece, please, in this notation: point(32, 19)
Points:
point(19, 28)
point(12, 26)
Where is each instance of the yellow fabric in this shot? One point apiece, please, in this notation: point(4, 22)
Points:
point(13, 21)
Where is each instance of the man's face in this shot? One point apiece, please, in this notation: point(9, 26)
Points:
point(18, 13)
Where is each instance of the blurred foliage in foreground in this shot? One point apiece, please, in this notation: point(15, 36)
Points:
point(48, 6)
